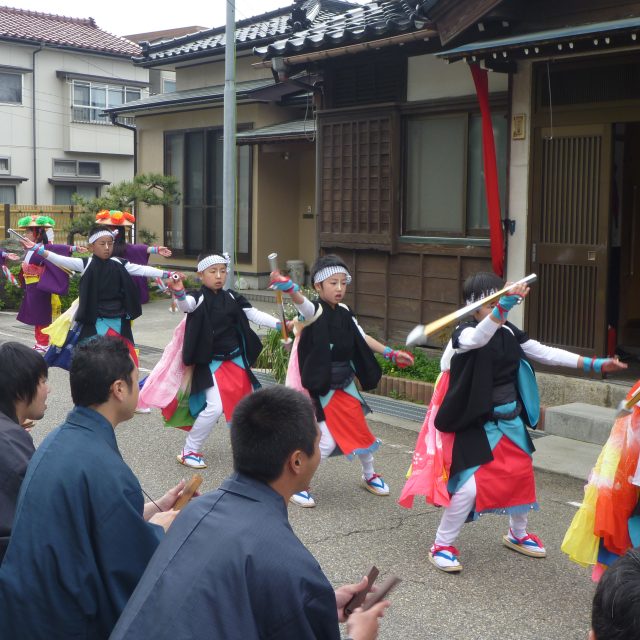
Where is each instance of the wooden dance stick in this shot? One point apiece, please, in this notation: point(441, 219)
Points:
point(273, 265)
point(626, 406)
point(187, 493)
point(419, 334)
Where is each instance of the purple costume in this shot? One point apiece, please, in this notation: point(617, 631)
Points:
point(35, 309)
point(137, 254)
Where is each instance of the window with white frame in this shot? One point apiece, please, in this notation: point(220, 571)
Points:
point(7, 194)
point(76, 168)
point(63, 193)
point(444, 193)
point(10, 88)
point(5, 165)
point(89, 99)
point(168, 86)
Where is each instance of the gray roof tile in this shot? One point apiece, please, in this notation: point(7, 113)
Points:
point(249, 32)
point(190, 97)
point(381, 18)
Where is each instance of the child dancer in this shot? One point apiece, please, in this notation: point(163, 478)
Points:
point(43, 283)
point(487, 450)
point(115, 220)
point(220, 346)
point(108, 300)
point(607, 524)
point(332, 351)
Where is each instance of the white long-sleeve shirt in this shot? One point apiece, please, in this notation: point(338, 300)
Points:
point(478, 336)
point(189, 304)
point(77, 264)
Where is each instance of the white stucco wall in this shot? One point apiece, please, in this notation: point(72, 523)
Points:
point(519, 182)
point(210, 74)
point(430, 78)
point(56, 136)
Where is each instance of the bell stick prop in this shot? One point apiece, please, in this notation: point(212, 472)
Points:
point(273, 265)
point(419, 334)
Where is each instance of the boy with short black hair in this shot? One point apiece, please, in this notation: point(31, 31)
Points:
point(615, 613)
point(231, 563)
point(23, 397)
point(83, 535)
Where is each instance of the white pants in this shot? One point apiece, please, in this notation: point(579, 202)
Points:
point(462, 502)
point(205, 421)
point(328, 444)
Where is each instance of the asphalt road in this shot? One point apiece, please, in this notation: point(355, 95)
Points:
point(499, 595)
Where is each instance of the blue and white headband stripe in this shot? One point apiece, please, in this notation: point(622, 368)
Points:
point(327, 272)
point(101, 233)
point(209, 261)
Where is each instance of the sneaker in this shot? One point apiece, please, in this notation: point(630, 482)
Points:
point(445, 558)
point(376, 485)
point(141, 410)
point(303, 499)
point(191, 459)
point(530, 545)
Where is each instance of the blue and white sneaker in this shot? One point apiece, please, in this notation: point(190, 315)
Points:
point(376, 485)
point(445, 558)
point(530, 545)
point(303, 499)
point(191, 459)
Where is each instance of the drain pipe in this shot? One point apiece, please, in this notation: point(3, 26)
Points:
point(115, 123)
point(33, 123)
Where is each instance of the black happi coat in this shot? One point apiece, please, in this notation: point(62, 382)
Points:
point(215, 329)
point(107, 290)
point(468, 403)
point(315, 355)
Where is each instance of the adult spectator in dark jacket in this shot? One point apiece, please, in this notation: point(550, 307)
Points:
point(82, 534)
point(23, 398)
point(231, 567)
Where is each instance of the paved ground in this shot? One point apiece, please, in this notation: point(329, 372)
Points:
point(499, 595)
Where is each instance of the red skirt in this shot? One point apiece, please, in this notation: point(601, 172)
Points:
point(507, 481)
point(346, 423)
point(234, 384)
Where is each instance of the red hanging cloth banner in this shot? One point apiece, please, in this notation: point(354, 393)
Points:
point(492, 190)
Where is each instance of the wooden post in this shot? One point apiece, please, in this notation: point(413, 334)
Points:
point(7, 219)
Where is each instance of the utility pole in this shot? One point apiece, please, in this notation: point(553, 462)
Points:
point(229, 151)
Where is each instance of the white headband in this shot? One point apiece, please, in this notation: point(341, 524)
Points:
point(481, 296)
point(101, 233)
point(327, 272)
point(209, 261)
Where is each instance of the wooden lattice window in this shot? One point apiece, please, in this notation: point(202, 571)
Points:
point(357, 181)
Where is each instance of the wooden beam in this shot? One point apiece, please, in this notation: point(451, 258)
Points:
point(452, 17)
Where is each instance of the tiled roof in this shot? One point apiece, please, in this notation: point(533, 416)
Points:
point(249, 32)
point(293, 130)
point(378, 19)
point(74, 33)
point(188, 97)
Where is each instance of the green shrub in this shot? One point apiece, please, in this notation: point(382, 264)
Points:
point(274, 356)
point(425, 368)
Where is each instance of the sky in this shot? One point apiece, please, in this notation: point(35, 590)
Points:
point(122, 17)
